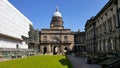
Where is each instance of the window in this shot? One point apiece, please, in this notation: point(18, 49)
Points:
point(114, 21)
point(65, 38)
point(81, 40)
point(55, 40)
point(100, 30)
point(104, 27)
point(96, 31)
point(45, 38)
point(56, 23)
point(110, 24)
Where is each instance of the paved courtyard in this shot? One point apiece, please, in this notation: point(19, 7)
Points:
point(78, 62)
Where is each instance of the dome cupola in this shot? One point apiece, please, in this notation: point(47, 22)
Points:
point(56, 22)
point(57, 13)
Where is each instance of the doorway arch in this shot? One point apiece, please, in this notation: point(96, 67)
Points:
point(55, 50)
point(66, 50)
point(45, 50)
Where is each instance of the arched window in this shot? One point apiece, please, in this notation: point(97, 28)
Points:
point(65, 38)
point(55, 39)
point(45, 38)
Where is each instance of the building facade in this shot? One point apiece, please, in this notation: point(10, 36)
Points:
point(103, 30)
point(56, 40)
point(79, 42)
point(90, 34)
point(14, 27)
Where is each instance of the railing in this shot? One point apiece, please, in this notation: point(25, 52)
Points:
point(14, 49)
point(114, 63)
point(56, 42)
point(8, 53)
point(103, 57)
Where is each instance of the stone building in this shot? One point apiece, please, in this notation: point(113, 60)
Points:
point(103, 30)
point(90, 34)
point(56, 40)
point(79, 42)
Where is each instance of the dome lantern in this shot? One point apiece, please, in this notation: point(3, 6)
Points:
point(57, 13)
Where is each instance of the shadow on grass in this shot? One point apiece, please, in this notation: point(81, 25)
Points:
point(66, 62)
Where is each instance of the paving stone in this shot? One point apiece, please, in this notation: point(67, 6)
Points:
point(78, 62)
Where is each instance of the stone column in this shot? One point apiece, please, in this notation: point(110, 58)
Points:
point(112, 44)
point(118, 44)
point(49, 48)
point(102, 46)
point(41, 49)
point(99, 46)
point(104, 42)
point(106, 49)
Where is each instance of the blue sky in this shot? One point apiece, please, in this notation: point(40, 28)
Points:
point(75, 12)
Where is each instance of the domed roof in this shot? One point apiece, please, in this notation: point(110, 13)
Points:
point(57, 13)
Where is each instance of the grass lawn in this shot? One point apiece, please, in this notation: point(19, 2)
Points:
point(43, 61)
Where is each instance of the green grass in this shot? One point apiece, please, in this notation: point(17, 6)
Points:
point(43, 61)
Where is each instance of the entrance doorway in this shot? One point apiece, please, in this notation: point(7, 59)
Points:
point(45, 50)
point(66, 50)
point(55, 50)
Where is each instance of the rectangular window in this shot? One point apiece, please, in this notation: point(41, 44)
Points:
point(114, 21)
point(104, 27)
point(100, 30)
point(96, 31)
point(110, 24)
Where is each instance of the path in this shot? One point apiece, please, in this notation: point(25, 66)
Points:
point(78, 62)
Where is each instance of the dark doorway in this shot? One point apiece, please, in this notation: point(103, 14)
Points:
point(66, 50)
point(45, 50)
point(55, 50)
point(17, 46)
point(75, 49)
